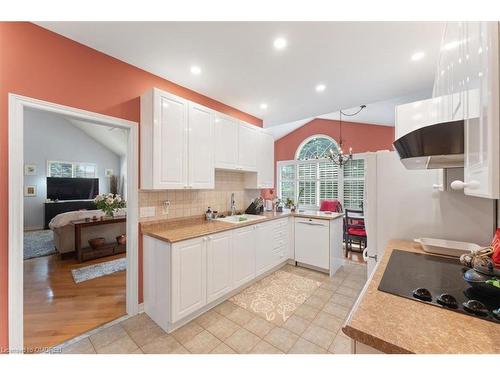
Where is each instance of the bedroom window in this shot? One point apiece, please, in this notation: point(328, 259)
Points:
point(318, 178)
point(71, 169)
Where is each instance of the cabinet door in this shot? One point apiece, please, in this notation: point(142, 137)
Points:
point(170, 142)
point(265, 161)
point(482, 136)
point(243, 255)
point(264, 248)
point(188, 277)
point(226, 142)
point(312, 242)
point(247, 147)
point(219, 265)
point(201, 148)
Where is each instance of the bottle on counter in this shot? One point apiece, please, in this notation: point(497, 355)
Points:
point(209, 214)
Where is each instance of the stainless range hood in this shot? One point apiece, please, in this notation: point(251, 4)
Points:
point(430, 133)
point(434, 146)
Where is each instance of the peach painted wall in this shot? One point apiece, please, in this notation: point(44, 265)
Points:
point(361, 137)
point(37, 63)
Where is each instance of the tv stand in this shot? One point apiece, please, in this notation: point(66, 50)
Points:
point(55, 208)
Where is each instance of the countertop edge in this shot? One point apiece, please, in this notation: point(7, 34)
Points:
point(226, 226)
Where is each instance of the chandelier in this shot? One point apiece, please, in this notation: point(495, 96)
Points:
point(338, 157)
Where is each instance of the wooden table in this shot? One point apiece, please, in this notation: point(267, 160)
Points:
point(86, 253)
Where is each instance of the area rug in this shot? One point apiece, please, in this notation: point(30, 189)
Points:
point(277, 296)
point(98, 270)
point(38, 243)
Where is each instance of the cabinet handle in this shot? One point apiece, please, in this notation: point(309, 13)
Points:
point(311, 223)
point(366, 256)
point(437, 186)
point(460, 185)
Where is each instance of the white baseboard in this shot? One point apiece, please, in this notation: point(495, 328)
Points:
point(140, 308)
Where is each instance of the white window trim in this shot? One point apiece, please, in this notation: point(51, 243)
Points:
point(73, 163)
point(315, 161)
point(305, 141)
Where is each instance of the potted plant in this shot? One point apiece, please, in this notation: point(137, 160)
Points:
point(109, 203)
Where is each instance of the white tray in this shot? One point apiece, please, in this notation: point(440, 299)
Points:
point(446, 247)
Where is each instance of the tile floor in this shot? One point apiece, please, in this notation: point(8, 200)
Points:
point(228, 329)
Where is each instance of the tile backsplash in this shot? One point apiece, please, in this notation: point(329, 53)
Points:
point(185, 203)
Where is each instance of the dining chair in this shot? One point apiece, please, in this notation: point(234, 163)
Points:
point(354, 230)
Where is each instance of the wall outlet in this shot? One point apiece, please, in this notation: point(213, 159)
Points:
point(147, 211)
point(165, 207)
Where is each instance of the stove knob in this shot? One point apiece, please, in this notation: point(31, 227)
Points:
point(475, 307)
point(422, 294)
point(447, 300)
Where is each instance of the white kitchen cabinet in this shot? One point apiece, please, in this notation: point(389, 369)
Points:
point(482, 134)
point(468, 73)
point(247, 147)
point(164, 119)
point(201, 169)
point(176, 143)
point(226, 142)
point(186, 278)
point(264, 177)
point(189, 292)
point(312, 242)
point(243, 255)
point(264, 249)
point(219, 265)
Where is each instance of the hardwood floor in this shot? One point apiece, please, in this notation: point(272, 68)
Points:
point(57, 309)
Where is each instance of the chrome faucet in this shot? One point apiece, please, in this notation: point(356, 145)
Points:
point(233, 205)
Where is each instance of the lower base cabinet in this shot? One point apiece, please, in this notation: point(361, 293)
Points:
point(219, 265)
point(182, 278)
point(360, 348)
point(243, 255)
point(189, 267)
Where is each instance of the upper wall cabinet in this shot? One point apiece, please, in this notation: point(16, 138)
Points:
point(176, 143)
point(183, 142)
point(264, 178)
point(247, 147)
point(468, 73)
point(201, 173)
point(226, 142)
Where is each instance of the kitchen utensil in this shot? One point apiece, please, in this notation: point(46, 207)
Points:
point(446, 247)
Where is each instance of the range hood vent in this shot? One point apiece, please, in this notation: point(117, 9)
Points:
point(433, 147)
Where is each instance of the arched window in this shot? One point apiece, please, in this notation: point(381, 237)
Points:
point(316, 147)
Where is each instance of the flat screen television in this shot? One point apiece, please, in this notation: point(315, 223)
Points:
point(65, 188)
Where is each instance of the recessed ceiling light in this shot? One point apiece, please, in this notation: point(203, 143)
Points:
point(196, 70)
point(320, 87)
point(280, 43)
point(417, 56)
point(263, 106)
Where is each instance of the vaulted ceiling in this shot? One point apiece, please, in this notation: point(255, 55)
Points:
point(358, 62)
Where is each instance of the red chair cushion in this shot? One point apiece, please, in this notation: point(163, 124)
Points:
point(357, 232)
point(331, 205)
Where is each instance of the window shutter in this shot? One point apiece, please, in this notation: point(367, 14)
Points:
point(354, 184)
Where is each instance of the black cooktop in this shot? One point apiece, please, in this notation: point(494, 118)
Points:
point(437, 281)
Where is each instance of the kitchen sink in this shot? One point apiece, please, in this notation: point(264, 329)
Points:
point(237, 219)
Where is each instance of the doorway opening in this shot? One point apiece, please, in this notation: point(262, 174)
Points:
point(72, 267)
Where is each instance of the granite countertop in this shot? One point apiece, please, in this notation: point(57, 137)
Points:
point(184, 229)
point(395, 324)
